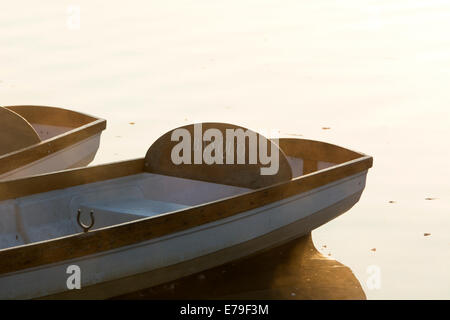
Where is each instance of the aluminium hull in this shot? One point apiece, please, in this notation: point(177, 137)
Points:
point(162, 259)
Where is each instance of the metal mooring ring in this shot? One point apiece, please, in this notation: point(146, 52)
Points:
point(82, 225)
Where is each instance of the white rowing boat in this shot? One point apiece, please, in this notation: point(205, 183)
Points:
point(126, 226)
point(38, 139)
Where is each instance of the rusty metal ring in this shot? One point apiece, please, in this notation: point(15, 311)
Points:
point(82, 225)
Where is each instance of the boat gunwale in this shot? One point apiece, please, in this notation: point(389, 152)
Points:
point(112, 237)
point(22, 157)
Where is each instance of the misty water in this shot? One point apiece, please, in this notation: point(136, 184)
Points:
point(372, 76)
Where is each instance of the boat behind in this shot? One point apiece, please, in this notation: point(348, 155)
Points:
point(39, 139)
point(154, 222)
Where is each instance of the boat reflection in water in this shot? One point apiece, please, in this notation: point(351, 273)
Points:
point(295, 270)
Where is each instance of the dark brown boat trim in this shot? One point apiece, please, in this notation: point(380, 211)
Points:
point(75, 246)
point(313, 151)
point(53, 115)
point(22, 187)
point(20, 158)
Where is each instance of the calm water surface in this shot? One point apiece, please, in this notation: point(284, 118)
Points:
point(377, 73)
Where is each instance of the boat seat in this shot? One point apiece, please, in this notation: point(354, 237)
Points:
point(115, 212)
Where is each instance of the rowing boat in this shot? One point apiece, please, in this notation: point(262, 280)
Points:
point(38, 139)
point(102, 231)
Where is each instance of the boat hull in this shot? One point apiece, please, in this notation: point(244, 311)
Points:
point(77, 155)
point(163, 259)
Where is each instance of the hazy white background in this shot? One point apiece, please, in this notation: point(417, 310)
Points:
point(376, 72)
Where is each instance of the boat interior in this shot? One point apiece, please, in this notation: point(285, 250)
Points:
point(24, 126)
point(147, 191)
point(53, 214)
